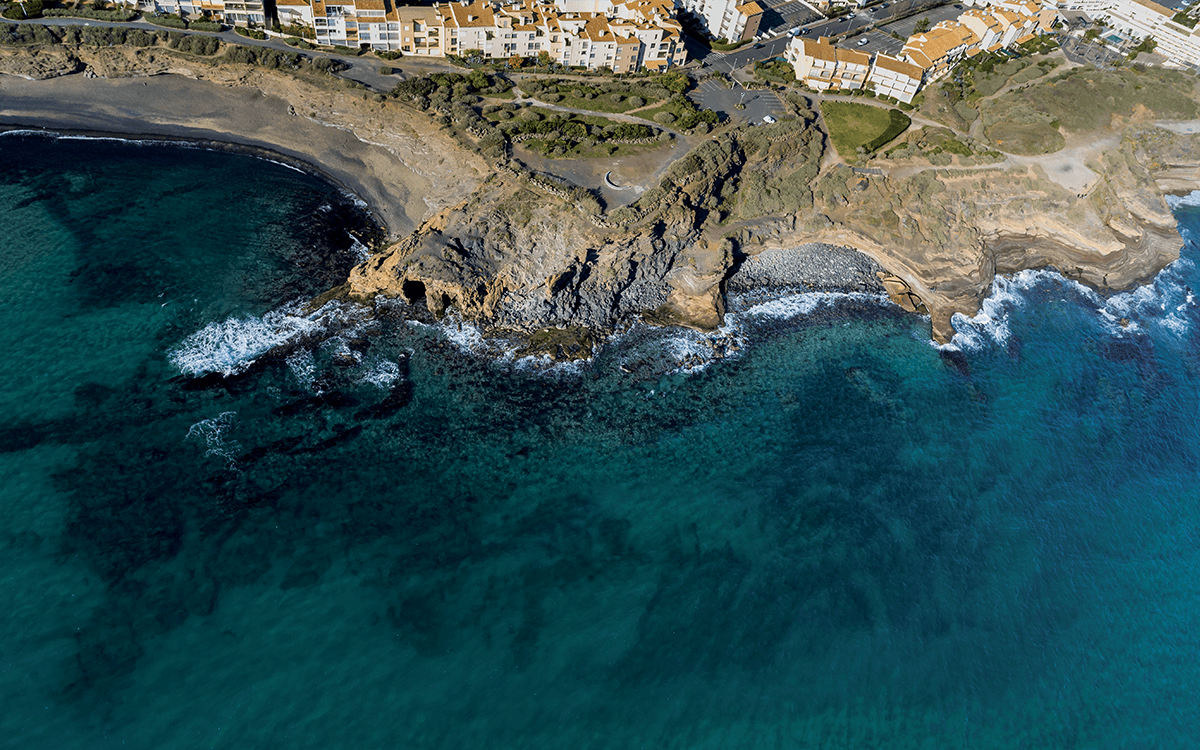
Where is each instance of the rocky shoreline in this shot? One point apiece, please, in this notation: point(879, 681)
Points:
point(486, 240)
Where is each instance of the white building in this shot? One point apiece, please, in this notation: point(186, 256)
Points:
point(731, 20)
point(895, 78)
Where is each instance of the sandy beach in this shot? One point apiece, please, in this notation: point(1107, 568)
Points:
point(400, 174)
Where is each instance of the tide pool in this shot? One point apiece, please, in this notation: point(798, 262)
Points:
point(370, 536)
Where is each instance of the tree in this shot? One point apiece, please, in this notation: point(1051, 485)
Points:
point(516, 62)
point(543, 59)
point(922, 26)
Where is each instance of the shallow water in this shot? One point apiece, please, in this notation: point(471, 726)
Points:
point(833, 537)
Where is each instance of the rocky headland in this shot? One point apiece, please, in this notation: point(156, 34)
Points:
point(748, 207)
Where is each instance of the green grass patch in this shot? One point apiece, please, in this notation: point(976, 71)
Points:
point(854, 126)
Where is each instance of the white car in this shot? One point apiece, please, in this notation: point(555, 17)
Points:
point(768, 119)
point(861, 42)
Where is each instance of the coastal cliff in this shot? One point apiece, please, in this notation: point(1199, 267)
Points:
point(514, 251)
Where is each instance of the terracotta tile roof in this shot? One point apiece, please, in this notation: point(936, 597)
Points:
point(852, 57)
point(820, 49)
point(896, 66)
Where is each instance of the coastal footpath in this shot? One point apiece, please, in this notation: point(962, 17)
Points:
point(517, 251)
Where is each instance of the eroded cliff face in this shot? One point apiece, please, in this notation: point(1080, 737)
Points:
point(947, 233)
point(514, 257)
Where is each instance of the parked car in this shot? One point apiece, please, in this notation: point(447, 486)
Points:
point(862, 41)
point(768, 119)
point(794, 30)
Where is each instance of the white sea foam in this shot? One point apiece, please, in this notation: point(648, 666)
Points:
point(214, 432)
point(231, 346)
point(361, 251)
point(382, 374)
point(990, 324)
point(1191, 199)
point(303, 366)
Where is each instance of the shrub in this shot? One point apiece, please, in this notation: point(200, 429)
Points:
point(212, 26)
point(385, 70)
point(390, 55)
point(635, 102)
point(163, 19)
point(113, 16)
point(251, 33)
point(617, 97)
point(666, 118)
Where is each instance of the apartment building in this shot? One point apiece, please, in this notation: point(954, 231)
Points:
point(732, 20)
point(1142, 18)
point(937, 50)
point(823, 66)
point(624, 36)
point(893, 77)
point(925, 57)
point(237, 13)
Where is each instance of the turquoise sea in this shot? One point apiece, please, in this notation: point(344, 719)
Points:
point(229, 522)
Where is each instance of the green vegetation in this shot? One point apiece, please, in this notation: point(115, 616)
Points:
point(606, 96)
point(298, 43)
point(165, 19)
point(1183, 19)
point(251, 33)
point(787, 158)
point(1026, 121)
point(776, 71)
point(562, 135)
point(921, 26)
point(720, 45)
point(193, 44)
point(1146, 45)
point(112, 16)
point(939, 146)
point(680, 113)
point(389, 54)
point(861, 128)
point(211, 26)
point(29, 9)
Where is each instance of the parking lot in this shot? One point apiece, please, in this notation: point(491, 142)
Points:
point(877, 41)
point(945, 13)
point(759, 104)
point(781, 15)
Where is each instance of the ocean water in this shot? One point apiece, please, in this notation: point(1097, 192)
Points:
point(228, 520)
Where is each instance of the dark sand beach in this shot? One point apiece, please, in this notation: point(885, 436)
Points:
point(176, 107)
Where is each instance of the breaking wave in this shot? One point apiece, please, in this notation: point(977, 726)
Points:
point(233, 345)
